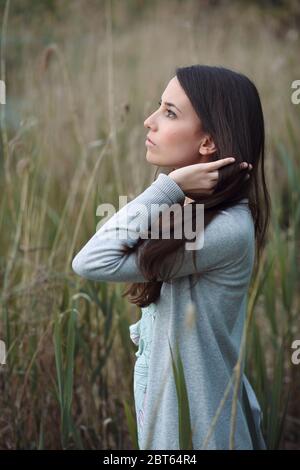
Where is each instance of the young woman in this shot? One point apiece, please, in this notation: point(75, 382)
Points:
point(206, 115)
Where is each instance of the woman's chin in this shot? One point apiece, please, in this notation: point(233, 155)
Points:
point(151, 159)
point(154, 160)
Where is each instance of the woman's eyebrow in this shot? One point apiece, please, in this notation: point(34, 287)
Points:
point(170, 104)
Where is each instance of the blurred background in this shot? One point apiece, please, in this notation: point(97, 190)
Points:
point(81, 77)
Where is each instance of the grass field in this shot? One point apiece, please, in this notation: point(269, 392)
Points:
point(80, 82)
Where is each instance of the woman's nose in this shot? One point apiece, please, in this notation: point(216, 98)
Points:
point(149, 123)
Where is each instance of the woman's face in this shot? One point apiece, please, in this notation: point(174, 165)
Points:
point(177, 132)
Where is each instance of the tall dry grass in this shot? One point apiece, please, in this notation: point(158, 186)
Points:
point(79, 86)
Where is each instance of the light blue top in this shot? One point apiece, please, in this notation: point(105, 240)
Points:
point(209, 340)
point(141, 331)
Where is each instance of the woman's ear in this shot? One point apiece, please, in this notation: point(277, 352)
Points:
point(207, 148)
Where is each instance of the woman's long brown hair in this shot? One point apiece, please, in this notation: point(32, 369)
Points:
point(229, 107)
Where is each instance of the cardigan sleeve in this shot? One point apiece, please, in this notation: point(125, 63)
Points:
point(102, 259)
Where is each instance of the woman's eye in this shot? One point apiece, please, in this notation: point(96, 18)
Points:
point(168, 110)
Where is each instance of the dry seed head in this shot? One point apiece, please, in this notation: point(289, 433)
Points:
point(46, 57)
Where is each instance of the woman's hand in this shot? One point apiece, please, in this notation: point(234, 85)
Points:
point(201, 178)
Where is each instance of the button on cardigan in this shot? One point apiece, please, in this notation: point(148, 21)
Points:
point(209, 349)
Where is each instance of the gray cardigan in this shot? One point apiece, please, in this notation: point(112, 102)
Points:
point(209, 350)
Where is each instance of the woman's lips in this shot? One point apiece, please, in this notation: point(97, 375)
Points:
point(147, 136)
point(149, 142)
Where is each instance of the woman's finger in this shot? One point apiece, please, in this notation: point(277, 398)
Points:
point(245, 165)
point(214, 175)
point(212, 166)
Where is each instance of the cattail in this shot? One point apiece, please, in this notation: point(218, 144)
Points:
point(46, 56)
